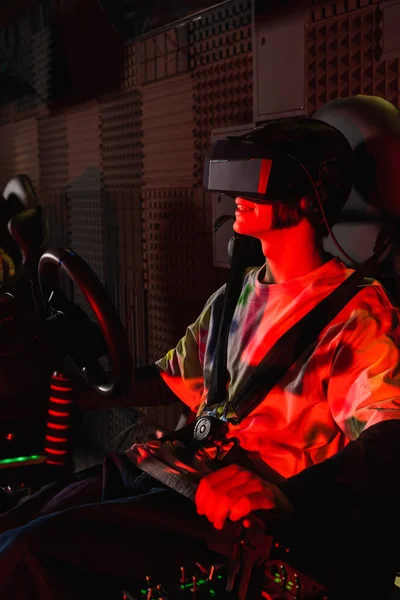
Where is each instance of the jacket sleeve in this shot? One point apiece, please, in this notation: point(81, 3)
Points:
point(364, 380)
point(363, 393)
point(182, 368)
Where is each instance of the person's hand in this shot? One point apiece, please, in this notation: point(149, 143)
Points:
point(233, 492)
point(146, 449)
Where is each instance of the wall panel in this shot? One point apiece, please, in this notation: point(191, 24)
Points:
point(345, 56)
point(16, 59)
point(122, 167)
point(7, 153)
point(162, 55)
point(168, 122)
point(120, 138)
point(223, 97)
point(130, 78)
point(126, 283)
point(222, 63)
point(27, 149)
point(56, 212)
point(42, 58)
point(7, 114)
point(178, 278)
point(220, 33)
point(25, 106)
point(321, 9)
point(340, 57)
point(54, 160)
point(87, 228)
point(83, 138)
point(53, 151)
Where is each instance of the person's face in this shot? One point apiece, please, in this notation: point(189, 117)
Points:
point(252, 218)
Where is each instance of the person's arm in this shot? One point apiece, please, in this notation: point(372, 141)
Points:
point(177, 376)
point(183, 368)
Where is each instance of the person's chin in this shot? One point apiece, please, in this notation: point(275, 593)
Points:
point(241, 228)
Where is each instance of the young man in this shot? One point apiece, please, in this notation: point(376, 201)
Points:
point(322, 448)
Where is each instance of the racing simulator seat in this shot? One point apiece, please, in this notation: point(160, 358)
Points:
point(258, 565)
point(22, 231)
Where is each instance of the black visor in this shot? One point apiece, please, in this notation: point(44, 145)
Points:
point(239, 168)
point(247, 178)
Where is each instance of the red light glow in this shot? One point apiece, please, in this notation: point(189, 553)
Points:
point(58, 388)
point(52, 438)
point(54, 451)
point(59, 400)
point(265, 171)
point(56, 413)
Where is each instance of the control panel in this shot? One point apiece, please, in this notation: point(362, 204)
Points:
point(281, 582)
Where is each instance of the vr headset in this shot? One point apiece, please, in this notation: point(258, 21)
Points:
point(260, 172)
point(275, 162)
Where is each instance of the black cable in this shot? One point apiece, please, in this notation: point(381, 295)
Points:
point(356, 264)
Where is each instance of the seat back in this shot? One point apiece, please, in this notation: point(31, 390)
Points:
point(20, 194)
point(372, 127)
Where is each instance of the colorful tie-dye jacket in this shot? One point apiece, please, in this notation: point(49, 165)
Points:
point(349, 382)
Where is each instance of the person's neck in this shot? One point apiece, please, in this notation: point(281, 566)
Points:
point(291, 253)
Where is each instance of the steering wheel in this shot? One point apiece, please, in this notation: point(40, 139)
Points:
point(73, 329)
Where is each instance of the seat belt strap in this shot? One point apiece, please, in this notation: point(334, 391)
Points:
point(291, 345)
point(246, 250)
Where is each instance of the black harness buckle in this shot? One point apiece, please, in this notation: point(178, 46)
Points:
point(208, 428)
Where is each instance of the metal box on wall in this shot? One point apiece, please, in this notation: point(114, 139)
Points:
point(224, 205)
point(390, 28)
point(279, 71)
